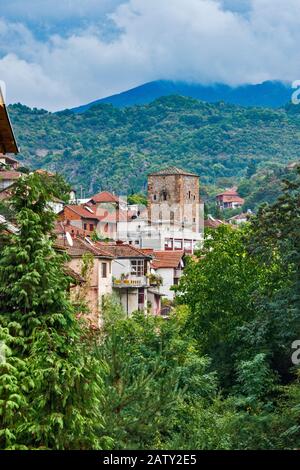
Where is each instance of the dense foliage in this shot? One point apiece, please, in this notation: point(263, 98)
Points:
point(114, 149)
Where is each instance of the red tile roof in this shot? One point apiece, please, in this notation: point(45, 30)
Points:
point(229, 192)
point(123, 250)
point(212, 223)
point(82, 212)
point(80, 247)
point(73, 274)
point(105, 196)
point(10, 175)
point(166, 259)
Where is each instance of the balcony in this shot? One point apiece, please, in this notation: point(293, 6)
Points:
point(130, 283)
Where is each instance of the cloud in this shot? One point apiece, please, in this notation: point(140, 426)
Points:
point(196, 40)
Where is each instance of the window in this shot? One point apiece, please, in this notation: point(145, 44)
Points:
point(154, 197)
point(165, 195)
point(178, 244)
point(85, 226)
point(137, 267)
point(168, 244)
point(104, 269)
point(91, 227)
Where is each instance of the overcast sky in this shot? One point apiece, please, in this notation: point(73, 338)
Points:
point(62, 53)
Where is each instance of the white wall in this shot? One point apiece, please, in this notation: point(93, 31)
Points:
point(167, 275)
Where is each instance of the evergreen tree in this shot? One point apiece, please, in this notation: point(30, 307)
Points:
point(154, 376)
point(50, 384)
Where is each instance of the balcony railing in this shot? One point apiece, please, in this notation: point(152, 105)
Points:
point(130, 283)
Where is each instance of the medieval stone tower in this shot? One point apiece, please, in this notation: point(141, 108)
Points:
point(173, 197)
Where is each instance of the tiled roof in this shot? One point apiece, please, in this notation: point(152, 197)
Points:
point(166, 259)
point(212, 223)
point(73, 274)
point(80, 247)
point(6, 193)
point(172, 170)
point(122, 250)
point(105, 196)
point(9, 175)
point(62, 227)
point(229, 192)
point(82, 212)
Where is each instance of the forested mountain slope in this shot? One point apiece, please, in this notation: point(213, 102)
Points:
point(111, 148)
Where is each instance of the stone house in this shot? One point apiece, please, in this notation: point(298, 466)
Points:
point(94, 265)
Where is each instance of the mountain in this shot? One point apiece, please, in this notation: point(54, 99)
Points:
point(114, 149)
point(271, 94)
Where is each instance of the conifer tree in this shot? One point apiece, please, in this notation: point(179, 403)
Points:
point(50, 384)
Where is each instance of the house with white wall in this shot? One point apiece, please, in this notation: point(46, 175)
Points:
point(130, 271)
point(168, 265)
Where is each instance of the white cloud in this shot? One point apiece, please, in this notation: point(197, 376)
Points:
point(196, 40)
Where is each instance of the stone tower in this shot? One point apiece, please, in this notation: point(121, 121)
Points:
point(173, 197)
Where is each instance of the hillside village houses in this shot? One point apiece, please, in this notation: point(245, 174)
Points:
point(136, 253)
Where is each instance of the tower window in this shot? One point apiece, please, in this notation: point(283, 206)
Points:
point(154, 197)
point(164, 195)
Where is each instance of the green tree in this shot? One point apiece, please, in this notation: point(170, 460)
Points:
point(154, 377)
point(217, 287)
point(50, 383)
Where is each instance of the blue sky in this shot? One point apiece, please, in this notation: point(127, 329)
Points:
point(57, 54)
